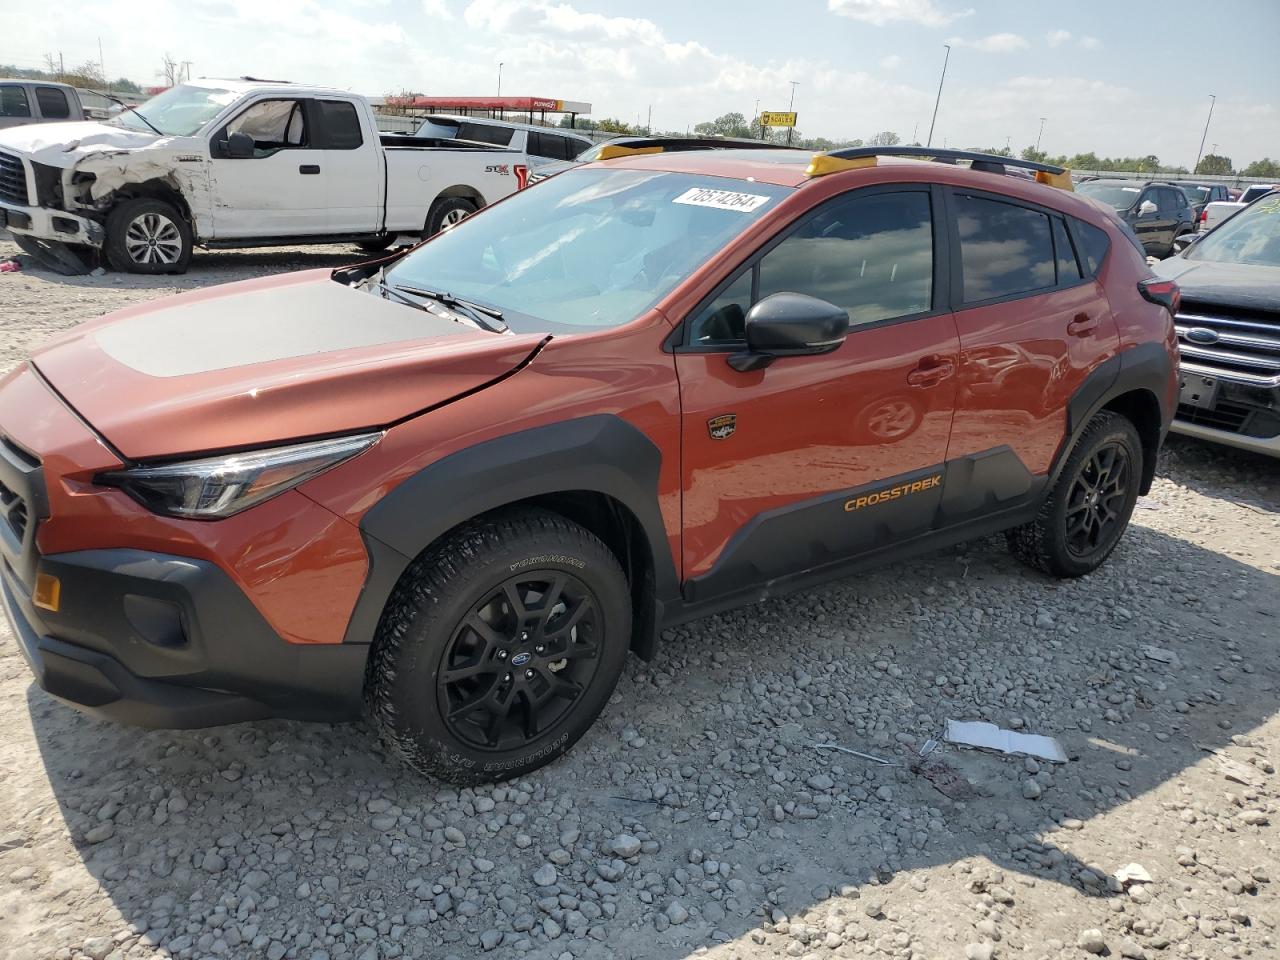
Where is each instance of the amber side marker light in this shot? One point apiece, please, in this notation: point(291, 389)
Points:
point(48, 592)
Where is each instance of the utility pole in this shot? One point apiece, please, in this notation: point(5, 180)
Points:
point(62, 67)
point(938, 99)
point(1007, 141)
point(1040, 134)
point(186, 68)
point(756, 117)
point(914, 130)
point(1203, 136)
point(790, 109)
point(648, 126)
point(499, 78)
point(102, 65)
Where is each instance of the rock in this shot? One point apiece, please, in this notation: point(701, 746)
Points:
point(454, 835)
point(1254, 818)
point(213, 862)
point(1092, 941)
point(1031, 789)
point(545, 875)
point(1132, 873)
point(820, 782)
point(980, 951)
point(676, 912)
point(1132, 950)
point(103, 831)
point(624, 845)
point(97, 947)
point(490, 939)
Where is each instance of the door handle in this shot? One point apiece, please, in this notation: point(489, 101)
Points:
point(1082, 325)
point(930, 372)
point(309, 168)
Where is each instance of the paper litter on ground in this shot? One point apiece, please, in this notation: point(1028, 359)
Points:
point(978, 733)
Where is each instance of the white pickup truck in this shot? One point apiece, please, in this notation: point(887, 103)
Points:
point(237, 163)
point(1215, 213)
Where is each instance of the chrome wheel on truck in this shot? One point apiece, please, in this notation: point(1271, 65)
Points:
point(148, 236)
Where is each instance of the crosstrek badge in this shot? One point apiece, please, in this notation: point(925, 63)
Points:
point(721, 199)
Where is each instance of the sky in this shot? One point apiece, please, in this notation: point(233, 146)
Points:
point(1118, 77)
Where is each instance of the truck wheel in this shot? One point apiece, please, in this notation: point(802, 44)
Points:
point(148, 236)
point(1088, 509)
point(448, 212)
point(499, 647)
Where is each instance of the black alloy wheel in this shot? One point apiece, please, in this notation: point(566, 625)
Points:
point(520, 661)
point(1095, 503)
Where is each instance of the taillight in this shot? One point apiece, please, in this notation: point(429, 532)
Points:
point(1163, 292)
point(1204, 216)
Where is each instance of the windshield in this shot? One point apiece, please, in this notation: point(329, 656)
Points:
point(1194, 194)
point(589, 248)
point(1253, 193)
point(178, 112)
point(1251, 236)
point(1118, 195)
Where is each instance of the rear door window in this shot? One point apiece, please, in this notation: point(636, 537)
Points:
point(551, 146)
point(337, 126)
point(13, 101)
point(1169, 202)
point(485, 133)
point(1064, 253)
point(53, 103)
point(1006, 250)
point(1094, 244)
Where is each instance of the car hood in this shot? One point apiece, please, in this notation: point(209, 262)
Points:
point(267, 361)
point(63, 144)
point(1245, 286)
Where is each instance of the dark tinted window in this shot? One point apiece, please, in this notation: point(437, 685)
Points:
point(53, 103)
point(483, 133)
point(1094, 244)
point(1068, 268)
point(1005, 250)
point(871, 255)
point(552, 146)
point(337, 126)
point(1170, 201)
point(13, 101)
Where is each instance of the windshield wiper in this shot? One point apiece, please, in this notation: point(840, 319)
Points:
point(490, 318)
point(134, 110)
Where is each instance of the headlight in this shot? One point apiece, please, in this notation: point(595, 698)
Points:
point(217, 487)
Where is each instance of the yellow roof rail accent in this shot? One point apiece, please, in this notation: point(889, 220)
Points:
point(613, 151)
point(1060, 180)
point(823, 164)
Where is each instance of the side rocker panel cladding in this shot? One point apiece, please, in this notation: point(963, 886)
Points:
point(603, 454)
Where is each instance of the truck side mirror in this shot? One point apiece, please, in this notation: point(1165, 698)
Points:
point(240, 146)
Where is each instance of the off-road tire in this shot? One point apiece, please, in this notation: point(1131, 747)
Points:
point(445, 210)
point(131, 212)
point(1043, 543)
point(426, 611)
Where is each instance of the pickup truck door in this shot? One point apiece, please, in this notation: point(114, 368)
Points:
point(279, 191)
point(351, 165)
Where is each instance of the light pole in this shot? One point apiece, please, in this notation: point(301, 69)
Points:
point(499, 78)
point(938, 100)
point(1203, 136)
point(1040, 134)
point(791, 107)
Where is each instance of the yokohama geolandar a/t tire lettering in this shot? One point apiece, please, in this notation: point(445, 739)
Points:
point(148, 236)
point(1088, 509)
point(499, 647)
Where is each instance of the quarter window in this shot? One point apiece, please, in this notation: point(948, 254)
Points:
point(53, 103)
point(1094, 244)
point(1068, 266)
point(485, 133)
point(1005, 250)
point(871, 255)
point(13, 101)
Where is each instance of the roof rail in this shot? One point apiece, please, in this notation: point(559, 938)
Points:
point(853, 157)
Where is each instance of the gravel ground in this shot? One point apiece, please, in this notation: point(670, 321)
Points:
point(697, 816)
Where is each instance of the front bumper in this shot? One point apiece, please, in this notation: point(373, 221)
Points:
point(1268, 446)
point(164, 641)
point(45, 224)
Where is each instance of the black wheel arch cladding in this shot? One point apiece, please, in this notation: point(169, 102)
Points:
point(572, 467)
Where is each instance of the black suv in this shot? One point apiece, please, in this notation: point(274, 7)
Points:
point(1157, 212)
point(1203, 194)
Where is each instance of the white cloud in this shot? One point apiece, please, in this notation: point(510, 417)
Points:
point(880, 12)
point(1091, 43)
point(1057, 38)
point(995, 43)
point(437, 10)
point(891, 62)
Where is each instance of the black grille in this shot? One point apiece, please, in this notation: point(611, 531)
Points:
point(13, 180)
point(1238, 345)
point(14, 510)
point(1225, 415)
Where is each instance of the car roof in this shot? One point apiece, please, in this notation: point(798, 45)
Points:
point(37, 83)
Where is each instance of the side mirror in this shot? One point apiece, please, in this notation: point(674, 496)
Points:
point(1146, 208)
point(239, 146)
point(788, 325)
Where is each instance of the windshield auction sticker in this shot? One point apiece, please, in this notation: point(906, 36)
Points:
point(721, 199)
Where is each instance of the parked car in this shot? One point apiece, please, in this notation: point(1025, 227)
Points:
point(1158, 212)
point(543, 144)
point(37, 101)
point(1200, 195)
point(626, 145)
point(455, 489)
point(238, 163)
point(1229, 331)
point(1216, 213)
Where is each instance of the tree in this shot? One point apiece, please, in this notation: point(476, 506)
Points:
point(725, 125)
point(1215, 165)
point(886, 138)
point(612, 125)
point(1034, 155)
point(1266, 167)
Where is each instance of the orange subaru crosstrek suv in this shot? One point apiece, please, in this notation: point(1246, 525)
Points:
point(452, 489)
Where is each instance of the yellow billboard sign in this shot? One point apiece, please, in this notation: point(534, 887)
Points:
point(771, 119)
